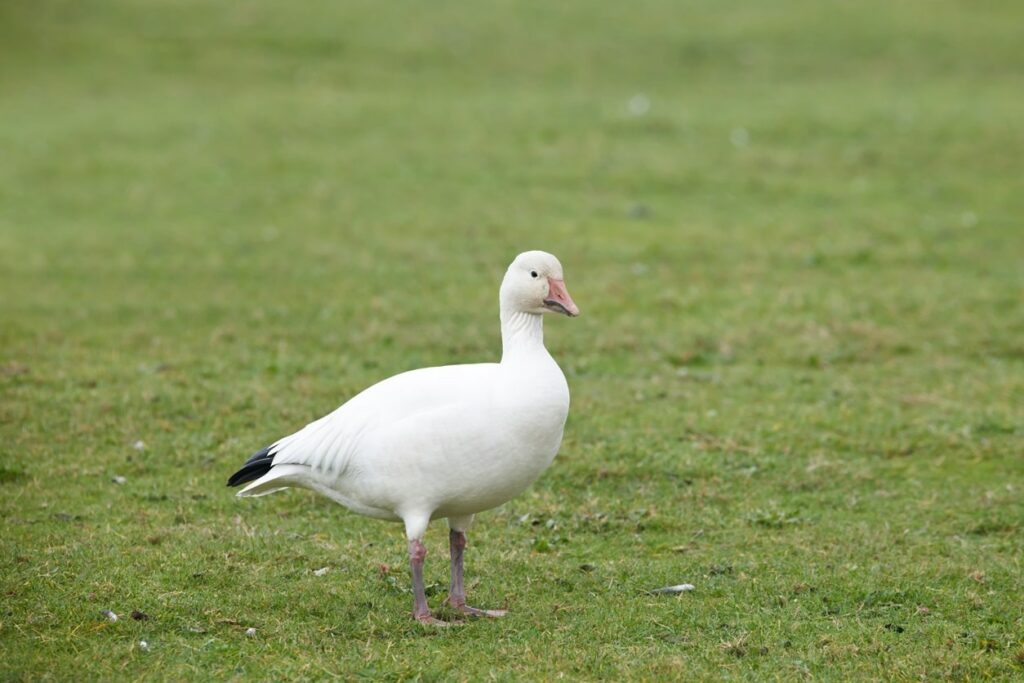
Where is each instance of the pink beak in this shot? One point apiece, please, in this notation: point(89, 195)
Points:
point(559, 300)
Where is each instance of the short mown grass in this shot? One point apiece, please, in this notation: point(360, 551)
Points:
point(795, 233)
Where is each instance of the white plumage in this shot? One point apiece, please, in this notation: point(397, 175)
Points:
point(437, 442)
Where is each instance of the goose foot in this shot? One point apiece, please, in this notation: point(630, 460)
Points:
point(429, 619)
point(476, 612)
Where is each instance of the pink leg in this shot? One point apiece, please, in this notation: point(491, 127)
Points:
point(420, 610)
point(457, 591)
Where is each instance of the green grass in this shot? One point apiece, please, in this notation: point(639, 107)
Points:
point(797, 383)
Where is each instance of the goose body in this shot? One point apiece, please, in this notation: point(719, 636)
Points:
point(446, 441)
point(433, 442)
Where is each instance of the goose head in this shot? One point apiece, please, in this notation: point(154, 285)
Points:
point(534, 283)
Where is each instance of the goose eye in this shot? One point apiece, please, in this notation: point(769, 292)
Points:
point(533, 273)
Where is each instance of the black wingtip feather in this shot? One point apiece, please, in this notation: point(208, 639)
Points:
point(254, 468)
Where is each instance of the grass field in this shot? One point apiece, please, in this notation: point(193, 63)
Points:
point(794, 230)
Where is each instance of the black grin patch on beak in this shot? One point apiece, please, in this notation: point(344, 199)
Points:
point(557, 307)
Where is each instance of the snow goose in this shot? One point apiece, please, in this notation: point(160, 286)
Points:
point(448, 441)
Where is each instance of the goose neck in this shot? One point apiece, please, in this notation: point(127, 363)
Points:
point(521, 334)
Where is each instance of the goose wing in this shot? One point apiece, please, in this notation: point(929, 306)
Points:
point(332, 443)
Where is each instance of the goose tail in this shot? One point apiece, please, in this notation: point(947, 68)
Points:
point(255, 467)
point(277, 479)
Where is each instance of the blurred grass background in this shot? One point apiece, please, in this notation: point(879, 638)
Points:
point(793, 229)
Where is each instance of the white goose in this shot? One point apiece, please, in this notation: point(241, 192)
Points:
point(448, 441)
